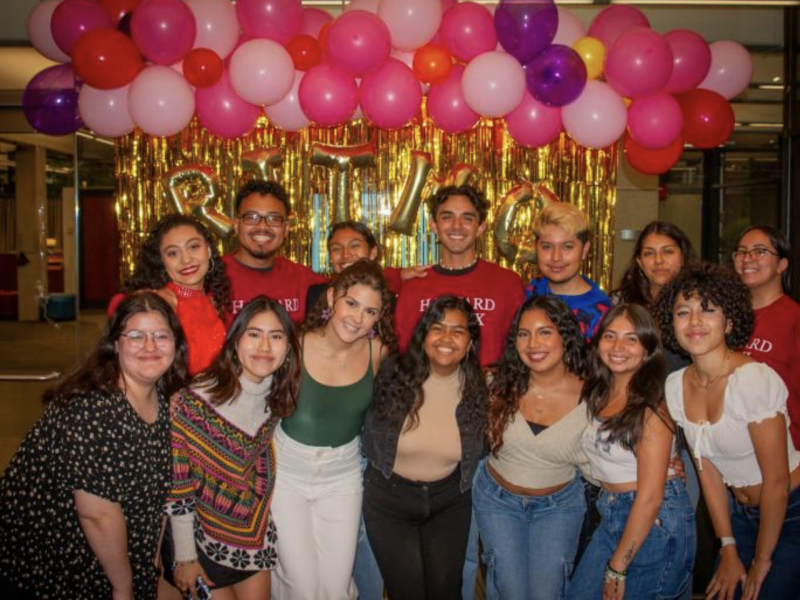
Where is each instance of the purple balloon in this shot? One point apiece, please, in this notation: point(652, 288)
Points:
point(525, 27)
point(556, 76)
point(50, 101)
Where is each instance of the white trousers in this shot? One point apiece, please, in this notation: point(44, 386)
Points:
point(317, 510)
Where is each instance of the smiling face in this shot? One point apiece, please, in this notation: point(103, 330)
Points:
point(620, 349)
point(346, 247)
point(539, 343)
point(143, 361)
point(759, 272)
point(185, 255)
point(660, 260)
point(559, 254)
point(457, 223)
point(447, 342)
point(258, 244)
point(699, 330)
point(263, 347)
point(355, 312)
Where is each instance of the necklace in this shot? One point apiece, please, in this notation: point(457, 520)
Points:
point(446, 268)
point(716, 378)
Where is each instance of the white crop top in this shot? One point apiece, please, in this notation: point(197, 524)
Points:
point(754, 392)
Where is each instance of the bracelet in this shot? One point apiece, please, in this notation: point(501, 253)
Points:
point(611, 574)
point(727, 540)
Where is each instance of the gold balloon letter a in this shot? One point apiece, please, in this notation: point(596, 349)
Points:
point(520, 195)
point(340, 162)
point(193, 190)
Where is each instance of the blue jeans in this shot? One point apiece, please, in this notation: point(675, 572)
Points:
point(529, 542)
point(783, 580)
point(663, 565)
point(366, 574)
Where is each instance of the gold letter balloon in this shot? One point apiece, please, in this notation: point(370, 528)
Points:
point(194, 190)
point(516, 247)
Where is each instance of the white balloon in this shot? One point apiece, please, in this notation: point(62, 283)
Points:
point(106, 111)
point(570, 28)
point(40, 34)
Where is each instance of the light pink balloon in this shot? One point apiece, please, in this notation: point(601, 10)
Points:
point(597, 118)
point(412, 23)
point(570, 28)
point(731, 69)
point(639, 63)
point(358, 43)
point(493, 84)
point(313, 20)
point(691, 59)
point(223, 112)
point(40, 34)
point(278, 20)
point(160, 101)
point(656, 121)
point(261, 71)
point(468, 30)
point(391, 96)
point(288, 114)
point(72, 18)
point(106, 111)
point(532, 123)
point(367, 5)
point(447, 107)
point(217, 26)
point(613, 21)
point(328, 96)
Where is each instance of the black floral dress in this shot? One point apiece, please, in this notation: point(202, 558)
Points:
point(98, 444)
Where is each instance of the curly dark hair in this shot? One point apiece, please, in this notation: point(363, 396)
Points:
point(398, 387)
point(364, 272)
point(713, 285)
point(634, 288)
point(101, 371)
point(221, 379)
point(645, 389)
point(149, 272)
point(782, 246)
point(262, 187)
point(474, 195)
point(512, 377)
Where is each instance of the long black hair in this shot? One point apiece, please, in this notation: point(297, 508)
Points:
point(645, 389)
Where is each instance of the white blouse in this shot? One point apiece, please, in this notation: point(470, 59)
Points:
point(754, 392)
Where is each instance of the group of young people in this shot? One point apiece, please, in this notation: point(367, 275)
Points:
point(316, 438)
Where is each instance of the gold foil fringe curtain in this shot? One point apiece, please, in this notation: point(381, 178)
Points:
point(576, 174)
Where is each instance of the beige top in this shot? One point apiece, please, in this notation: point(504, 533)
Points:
point(544, 460)
point(432, 450)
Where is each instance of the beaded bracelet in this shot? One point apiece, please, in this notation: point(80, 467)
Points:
point(612, 574)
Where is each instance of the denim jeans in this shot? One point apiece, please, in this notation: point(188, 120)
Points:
point(783, 580)
point(663, 565)
point(529, 542)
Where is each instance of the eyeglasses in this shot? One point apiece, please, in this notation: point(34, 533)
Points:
point(251, 219)
point(137, 339)
point(752, 254)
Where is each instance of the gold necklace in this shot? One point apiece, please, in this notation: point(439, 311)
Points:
point(716, 378)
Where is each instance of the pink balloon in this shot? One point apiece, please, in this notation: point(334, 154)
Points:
point(278, 20)
point(261, 71)
point(656, 121)
point(72, 18)
point(447, 107)
point(40, 34)
point(597, 118)
point(468, 30)
point(288, 114)
point(494, 84)
point(328, 96)
point(412, 23)
point(313, 20)
point(731, 69)
point(613, 21)
point(160, 101)
point(570, 28)
point(367, 5)
point(106, 111)
point(639, 63)
point(358, 43)
point(217, 26)
point(532, 123)
point(691, 59)
point(223, 112)
point(391, 96)
point(163, 30)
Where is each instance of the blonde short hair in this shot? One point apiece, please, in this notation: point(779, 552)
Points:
point(566, 216)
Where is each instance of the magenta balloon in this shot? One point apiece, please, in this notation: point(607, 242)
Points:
point(217, 26)
point(731, 69)
point(570, 28)
point(160, 101)
point(72, 18)
point(691, 58)
point(223, 112)
point(278, 20)
point(41, 35)
point(639, 63)
point(467, 30)
point(328, 96)
point(313, 20)
point(391, 96)
point(532, 123)
point(106, 111)
point(656, 121)
point(358, 42)
point(447, 107)
point(288, 114)
point(613, 21)
point(597, 118)
point(50, 101)
point(163, 30)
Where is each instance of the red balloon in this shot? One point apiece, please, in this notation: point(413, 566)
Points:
point(305, 51)
point(118, 8)
point(202, 67)
point(433, 64)
point(106, 58)
point(708, 118)
point(652, 162)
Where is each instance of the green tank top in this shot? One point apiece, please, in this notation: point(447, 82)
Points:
point(329, 415)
